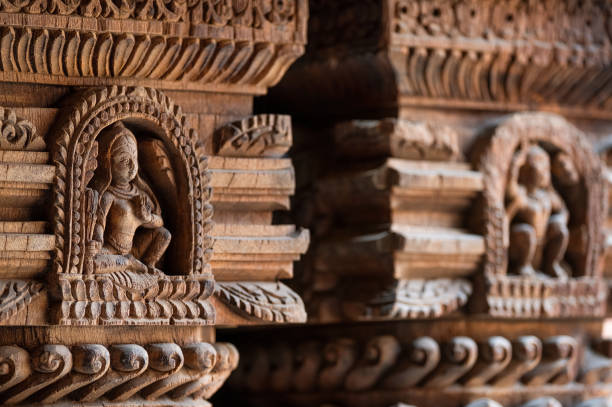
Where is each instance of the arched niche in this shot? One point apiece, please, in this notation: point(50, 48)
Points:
point(174, 179)
point(587, 209)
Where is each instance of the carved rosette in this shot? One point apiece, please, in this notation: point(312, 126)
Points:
point(519, 295)
point(89, 299)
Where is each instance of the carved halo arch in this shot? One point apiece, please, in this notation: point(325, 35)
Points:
point(495, 165)
point(75, 146)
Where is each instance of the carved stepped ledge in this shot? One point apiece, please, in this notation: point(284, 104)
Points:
point(251, 183)
point(25, 180)
point(256, 252)
point(26, 250)
point(158, 374)
point(404, 191)
point(404, 252)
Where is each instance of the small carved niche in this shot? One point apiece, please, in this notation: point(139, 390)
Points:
point(544, 199)
point(543, 210)
point(132, 211)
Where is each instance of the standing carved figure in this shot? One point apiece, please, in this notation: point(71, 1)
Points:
point(537, 215)
point(128, 237)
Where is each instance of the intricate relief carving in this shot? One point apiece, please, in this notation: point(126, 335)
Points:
point(253, 13)
point(115, 375)
point(110, 234)
point(266, 301)
point(501, 55)
point(505, 20)
point(16, 295)
point(385, 363)
point(419, 299)
point(544, 187)
point(264, 135)
point(17, 133)
point(73, 53)
point(397, 138)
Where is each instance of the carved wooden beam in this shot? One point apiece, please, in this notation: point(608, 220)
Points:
point(459, 55)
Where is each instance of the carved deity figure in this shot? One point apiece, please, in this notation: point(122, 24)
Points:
point(537, 215)
point(128, 237)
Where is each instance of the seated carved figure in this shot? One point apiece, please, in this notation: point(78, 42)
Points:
point(537, 214)
point(128, 237)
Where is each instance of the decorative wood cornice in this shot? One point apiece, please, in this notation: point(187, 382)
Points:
point(472, 55)
point(203, 45)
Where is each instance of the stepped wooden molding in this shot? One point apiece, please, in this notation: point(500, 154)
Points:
point(256, 252)
point(117, 375)
point(400, 190)
point(206, 45)
point(510, 55)
point(251, 183)
point(404, 253)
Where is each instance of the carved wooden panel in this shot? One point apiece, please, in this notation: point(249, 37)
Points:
point(117, 122)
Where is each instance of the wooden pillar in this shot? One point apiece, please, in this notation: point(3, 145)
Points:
point(136, 198)
point(449, 164)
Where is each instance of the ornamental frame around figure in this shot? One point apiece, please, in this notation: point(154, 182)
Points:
point(91, 299)
point(520, 295)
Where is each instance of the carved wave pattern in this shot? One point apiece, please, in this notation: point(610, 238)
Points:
point(126, 55)
point(116, 375)
point(385, 363)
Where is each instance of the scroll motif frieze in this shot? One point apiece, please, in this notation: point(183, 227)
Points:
point(386, 363)
point(116, 374)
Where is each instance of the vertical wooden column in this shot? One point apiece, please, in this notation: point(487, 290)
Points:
point(448, 158)
point(137, 195)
